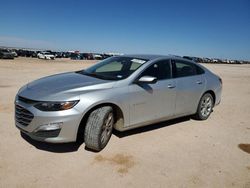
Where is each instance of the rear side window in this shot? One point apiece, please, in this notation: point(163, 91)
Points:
point(199, 70)
point(161, 70)
point(183, 69)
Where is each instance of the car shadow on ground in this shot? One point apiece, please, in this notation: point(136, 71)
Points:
point(74, 146)
point(55, 148)
point(150, 127)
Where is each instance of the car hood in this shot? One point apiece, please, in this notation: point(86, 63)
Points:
point(66, 86)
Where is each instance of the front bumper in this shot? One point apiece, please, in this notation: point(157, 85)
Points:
point(50, 57)
point(53, 127)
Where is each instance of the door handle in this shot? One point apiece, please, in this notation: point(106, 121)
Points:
point(170, 86)
point(198, 82)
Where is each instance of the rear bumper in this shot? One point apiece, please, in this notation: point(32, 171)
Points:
point(218, 93)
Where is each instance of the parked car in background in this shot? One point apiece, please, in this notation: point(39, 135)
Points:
point(66, 54)
point(195, 59)
point(45, 55)
point(34, 54)
point(97, 56)
point(58, 54)
point(20, 53)
point(104, 56)
point(6, 54)
point(122, 93)
point(76, 56)
point(14, 53)
point(28, 53)
point(206, 60)
point(88, 56)
point(24, 53)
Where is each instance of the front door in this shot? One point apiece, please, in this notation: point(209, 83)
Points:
point(149, 102)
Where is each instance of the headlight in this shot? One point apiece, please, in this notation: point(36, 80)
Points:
point(55, 106)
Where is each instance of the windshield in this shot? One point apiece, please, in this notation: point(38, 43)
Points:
point(114, 68)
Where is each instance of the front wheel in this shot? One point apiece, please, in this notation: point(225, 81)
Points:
point(99, 128)
point(205, 107)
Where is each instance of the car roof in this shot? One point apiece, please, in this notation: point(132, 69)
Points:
point(145, 56)
point(153, 57)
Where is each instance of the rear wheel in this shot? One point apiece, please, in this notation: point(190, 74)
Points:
point(205, 107)
point(99, 128)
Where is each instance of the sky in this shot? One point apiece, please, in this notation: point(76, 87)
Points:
point(204, 28)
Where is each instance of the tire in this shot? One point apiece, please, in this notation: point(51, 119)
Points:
point(99, 128)
point(205, 107)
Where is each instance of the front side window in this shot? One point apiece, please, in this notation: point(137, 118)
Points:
point(115, 68)
point(160, 70)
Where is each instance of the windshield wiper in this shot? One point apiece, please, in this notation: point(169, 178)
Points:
point(91, 74)
point(96, 75)
point(86, 73)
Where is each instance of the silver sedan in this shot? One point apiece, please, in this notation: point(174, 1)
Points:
point(122, 93)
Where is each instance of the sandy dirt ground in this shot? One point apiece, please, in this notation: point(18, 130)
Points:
point(179, 153)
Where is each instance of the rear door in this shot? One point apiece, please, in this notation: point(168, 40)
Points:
point(190, 84)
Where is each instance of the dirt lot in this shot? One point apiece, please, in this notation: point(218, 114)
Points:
point(179, 153)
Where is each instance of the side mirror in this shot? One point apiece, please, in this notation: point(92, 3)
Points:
point(147, 80)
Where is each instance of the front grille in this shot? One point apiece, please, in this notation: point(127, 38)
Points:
point(23, 116)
